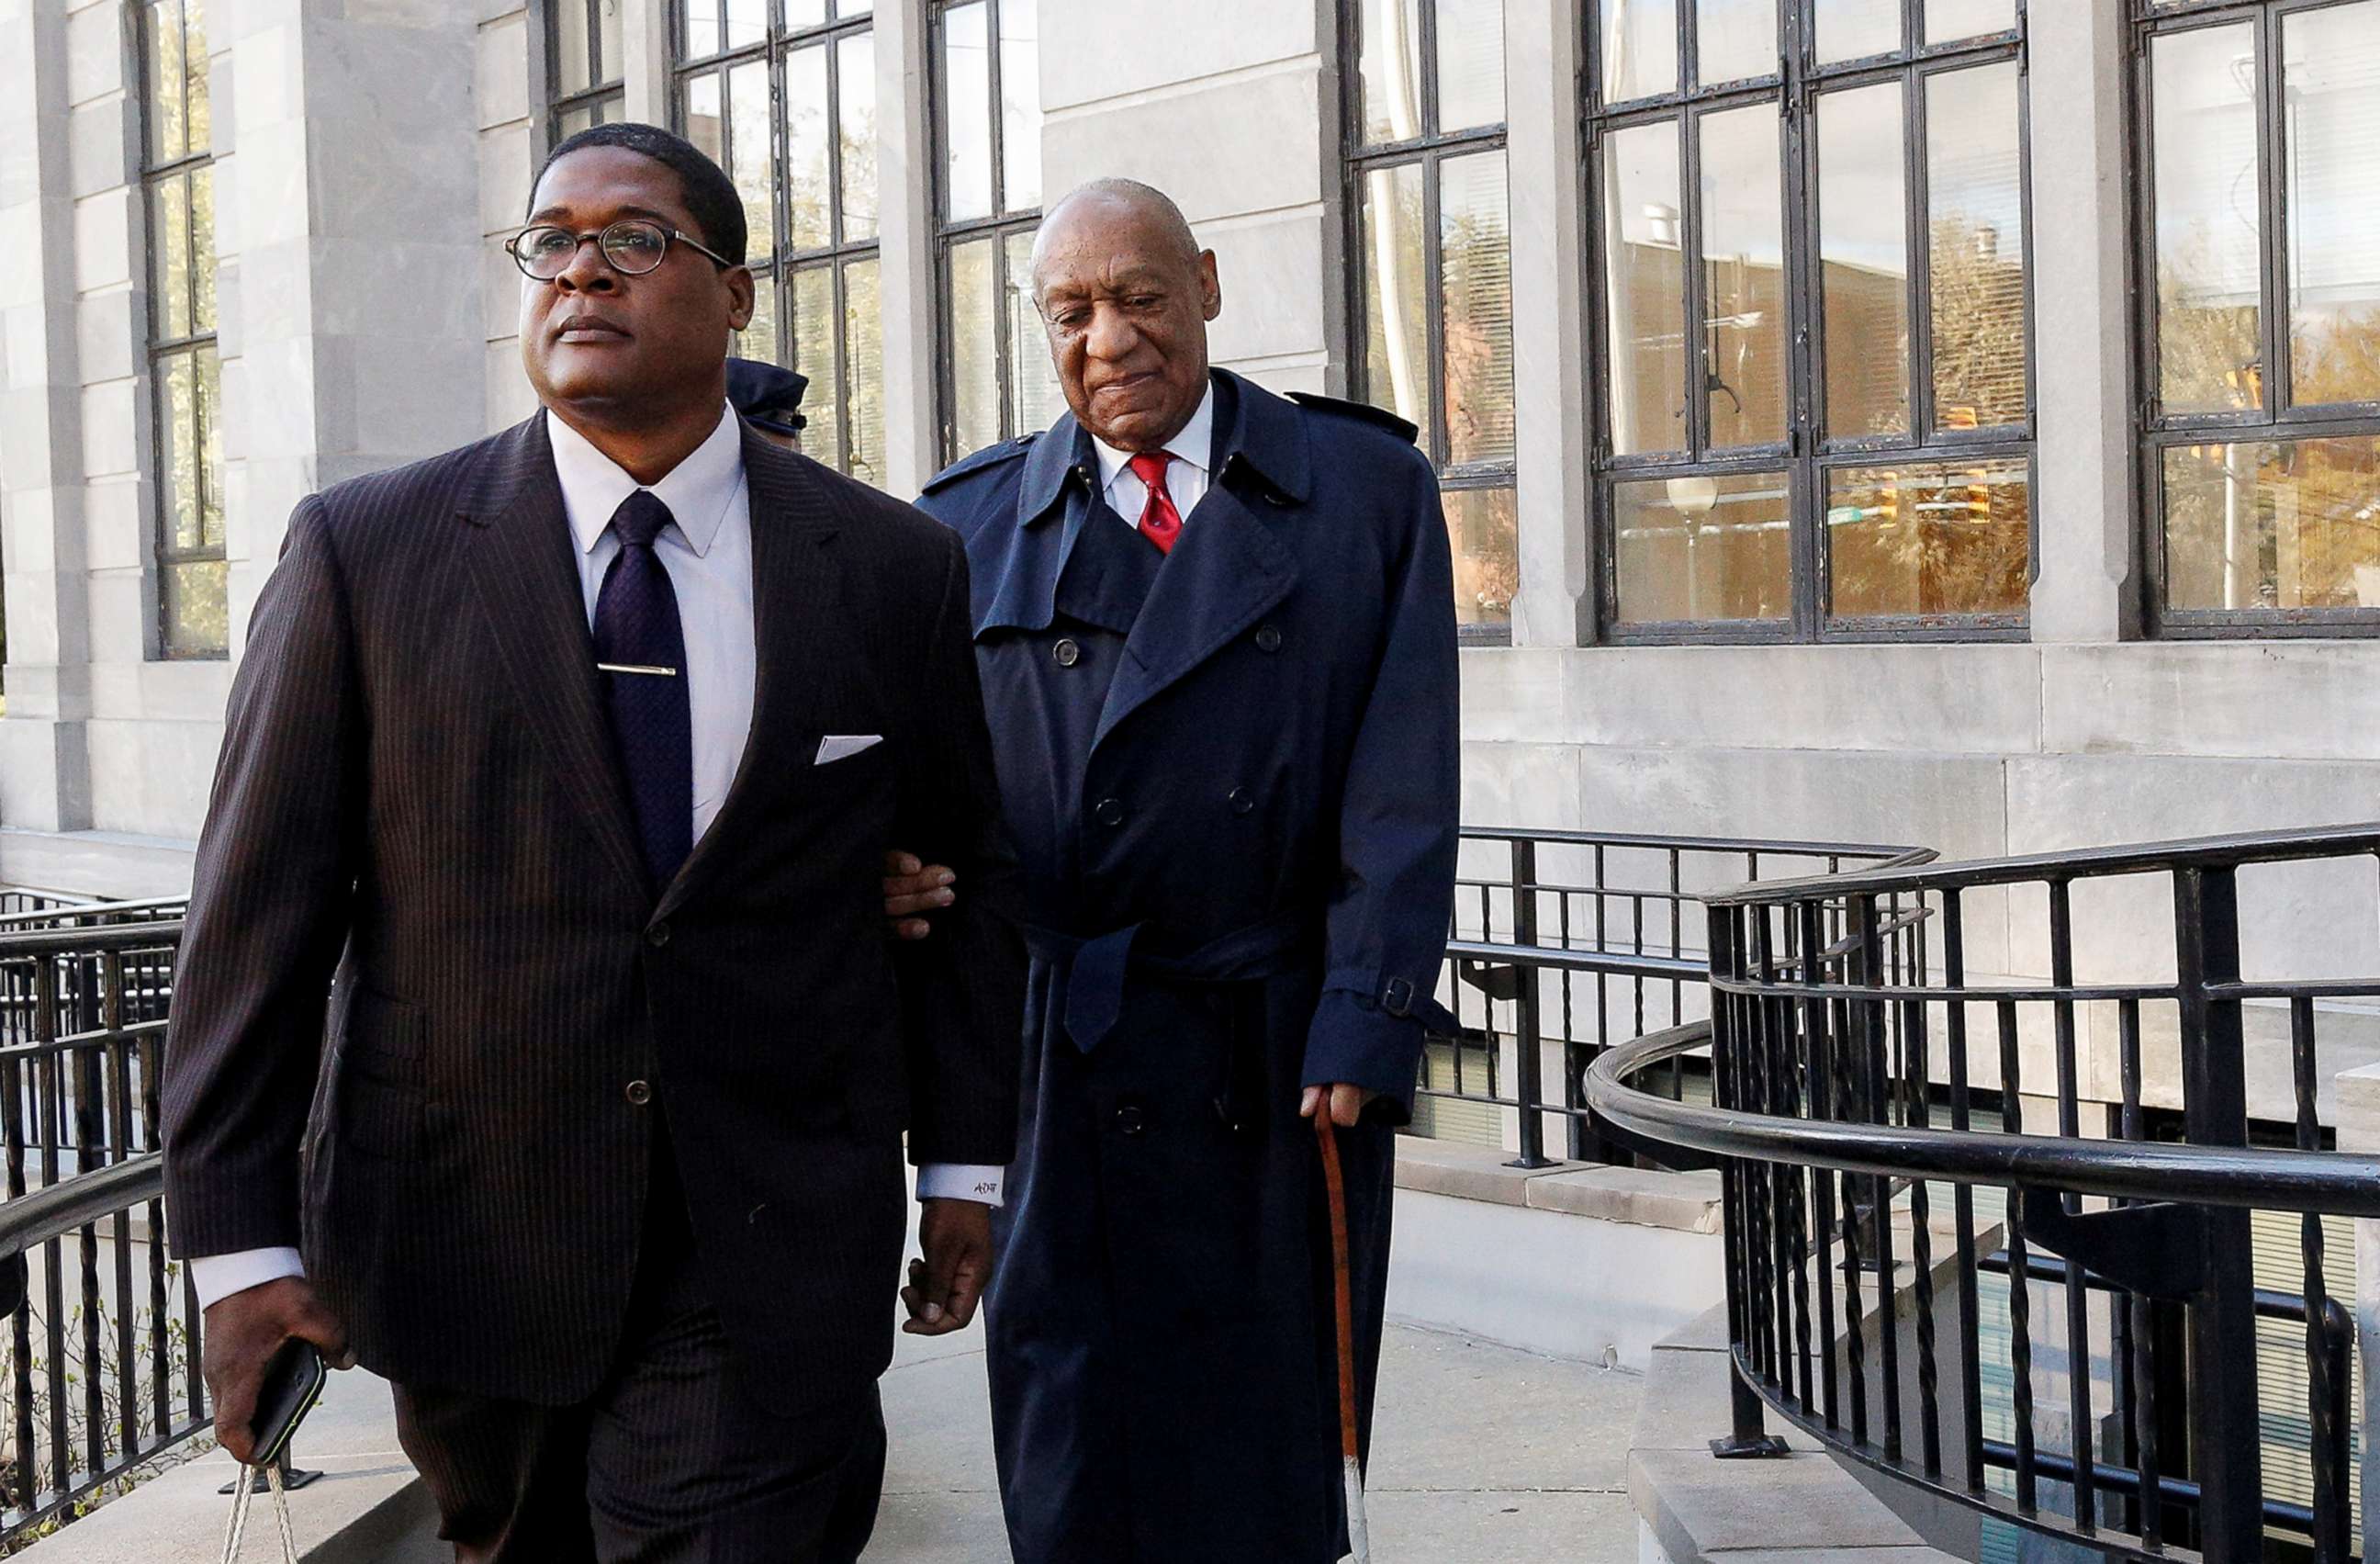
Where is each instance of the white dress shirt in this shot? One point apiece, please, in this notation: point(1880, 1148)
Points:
point(1185, 476)
point(707, 550)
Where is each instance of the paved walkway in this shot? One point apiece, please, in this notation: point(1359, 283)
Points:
point(1482, 1455)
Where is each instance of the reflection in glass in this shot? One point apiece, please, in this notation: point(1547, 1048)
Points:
point(864, 342)
point(168, 127)
point(198, 616)
point(570, 47)
point(1482, 525)
point(209, 445)
point(747, 134)
point(2330, 96)
point(1744, 276)
point(1947, 21)
point(2209, 220)
point(1396, 326)
point(758, 339)
point(974, 348)
point(1032, 381)
point(1470, 64)
point(1928, 538)
point(1389, 38)
point(747, 20)
point(179, 453)
point(196, 63)
point(966, 115)
point(809, 217)
point(852, 7)
point(169, 246)
point(856, 112)
point(1640, 49)
point(1702, 548)
point(1976, 233)
point(1020, 105)
point(1854, 29)
point(1476, 266)
point(812, 327)
point(1645, 334)
point(701, 28)
point(2275, 526)
point(202, 247)
point(703, 126)
point(1734, 39)
point(1864, 261)
point(607, 41)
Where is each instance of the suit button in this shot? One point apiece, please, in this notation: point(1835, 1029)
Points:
point(1067, 653)
point(1268, 638)
point(639, 1093)
point(658, 936)
point(1130, 1119)
point(1242, 802)
point(1109, 812)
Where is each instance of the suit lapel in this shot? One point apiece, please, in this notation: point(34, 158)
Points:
point(520, 563)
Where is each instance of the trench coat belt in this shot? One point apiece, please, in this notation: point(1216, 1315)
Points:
point(1093, 968)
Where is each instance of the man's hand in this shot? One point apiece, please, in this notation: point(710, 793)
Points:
point(912, 889)
point(944, 1286)
point(1347, 1103)
point(243, 1331)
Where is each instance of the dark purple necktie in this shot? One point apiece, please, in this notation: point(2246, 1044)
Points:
point(641, 647)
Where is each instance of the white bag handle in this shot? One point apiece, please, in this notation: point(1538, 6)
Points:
point(245, 1490)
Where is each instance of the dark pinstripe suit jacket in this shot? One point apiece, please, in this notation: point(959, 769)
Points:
point(417, 795)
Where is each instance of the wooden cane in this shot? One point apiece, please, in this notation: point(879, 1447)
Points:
point(1358, 1534)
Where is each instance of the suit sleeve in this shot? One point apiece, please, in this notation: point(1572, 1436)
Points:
point(269, 904)
point(962, 989)
point(1398, 824)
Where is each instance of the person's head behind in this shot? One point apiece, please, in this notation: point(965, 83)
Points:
point(622, 350)
point(1125, 294)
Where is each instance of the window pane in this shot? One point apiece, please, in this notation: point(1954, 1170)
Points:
point(799, 14)
point(1947, 21)
point(210, 426)
point(1470, 64)
point(973, 348)
point(759, 340)
point(2273, 526)
point(202, 249)
point(703, 127)
point(198, 619)
point(1743, 274)
point(1645, 291)
point(1977, 246)
point(570, 50)
point(966, 115)
point(1020, 105)
point(1032, 381)
point(852, 7)
point(169, 245)
point(179, 452)
point(1481, 525)
point(701, 28)
point(1640, 49)
point(1704, 548)
point(1853, 29)
point(168, 131)
point(747, 107)
point(864, 342)
point(2209, 220)
point(813, 326)
point(855, 110)
point(573, 120)
point(1396, 327)
point(1864, 261)
point(608, 47)
point(1476, 266)
point(2330, 89)
point(1929, 538)
point(195, 65)
point(1734, 39)
point(807, 189)
point(747, 20)
point(1389, 36)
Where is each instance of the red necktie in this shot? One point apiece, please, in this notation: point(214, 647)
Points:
point(1159, 522)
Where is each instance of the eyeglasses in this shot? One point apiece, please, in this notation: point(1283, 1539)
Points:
point(631, 247)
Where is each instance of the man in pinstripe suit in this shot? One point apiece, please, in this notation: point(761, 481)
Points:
point(564, 765)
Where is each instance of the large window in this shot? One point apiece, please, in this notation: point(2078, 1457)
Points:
point(782, 93)
point(1432, 264)
point(177, 179)
point(996, 376)
point(2261, 132)
point(582, 67)
point(1809, 235)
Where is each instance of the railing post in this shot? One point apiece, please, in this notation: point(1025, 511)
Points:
point(1528, 1065)
point(2226, 1458)
point(1747, 1436)
point(2358, 1131)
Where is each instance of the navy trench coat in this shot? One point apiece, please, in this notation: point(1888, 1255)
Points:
point(1231, 773)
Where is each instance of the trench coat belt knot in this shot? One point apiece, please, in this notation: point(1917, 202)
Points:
point(1093, 968)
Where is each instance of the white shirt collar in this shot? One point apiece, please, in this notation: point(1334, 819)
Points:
point(1194, 443)
point(697, 490)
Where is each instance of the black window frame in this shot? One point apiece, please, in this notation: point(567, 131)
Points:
point(1807, 455)
point(605, 98)
point(1430, 151)
point(2275, 422)
point(836, 257)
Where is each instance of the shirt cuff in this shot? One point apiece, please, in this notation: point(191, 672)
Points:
point(219, 1276)
point(960, 1181)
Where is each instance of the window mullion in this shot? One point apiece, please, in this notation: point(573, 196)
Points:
point(1433, 305)
point(993, 110)
point(1696, 356)
point(2272, 168)
point(1916, 174)
point(1805, 350)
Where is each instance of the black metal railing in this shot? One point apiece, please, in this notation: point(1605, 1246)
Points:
point(99, 1360)
point(2126, 1415)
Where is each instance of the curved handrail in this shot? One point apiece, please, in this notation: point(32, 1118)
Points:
point(39, 1215)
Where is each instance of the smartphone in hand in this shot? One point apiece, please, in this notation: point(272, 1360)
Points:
point(293, 1382)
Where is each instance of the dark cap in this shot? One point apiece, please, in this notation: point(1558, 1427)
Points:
point(767, 396)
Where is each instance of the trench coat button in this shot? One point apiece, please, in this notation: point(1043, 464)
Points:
point(658, 936)
point(1242, 802)
point(1268, 638)
point(1130, 1119)
point(1109, 812)
point(1067, 653)
point(639, 1093)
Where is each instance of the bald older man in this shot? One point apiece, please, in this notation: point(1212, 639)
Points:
point(1216, 632)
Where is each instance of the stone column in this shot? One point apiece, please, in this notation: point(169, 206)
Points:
point(2084, 502)
point(2359, 1130)
point(904, 178)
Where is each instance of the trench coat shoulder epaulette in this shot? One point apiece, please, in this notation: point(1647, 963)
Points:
point(1362, 411)
point(990, 456)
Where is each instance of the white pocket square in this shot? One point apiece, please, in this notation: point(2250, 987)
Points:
point(843, 746)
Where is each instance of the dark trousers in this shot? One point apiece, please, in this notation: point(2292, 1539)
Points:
point(677, 1459)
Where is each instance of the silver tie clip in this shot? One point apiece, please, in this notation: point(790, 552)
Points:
point(635, 668)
